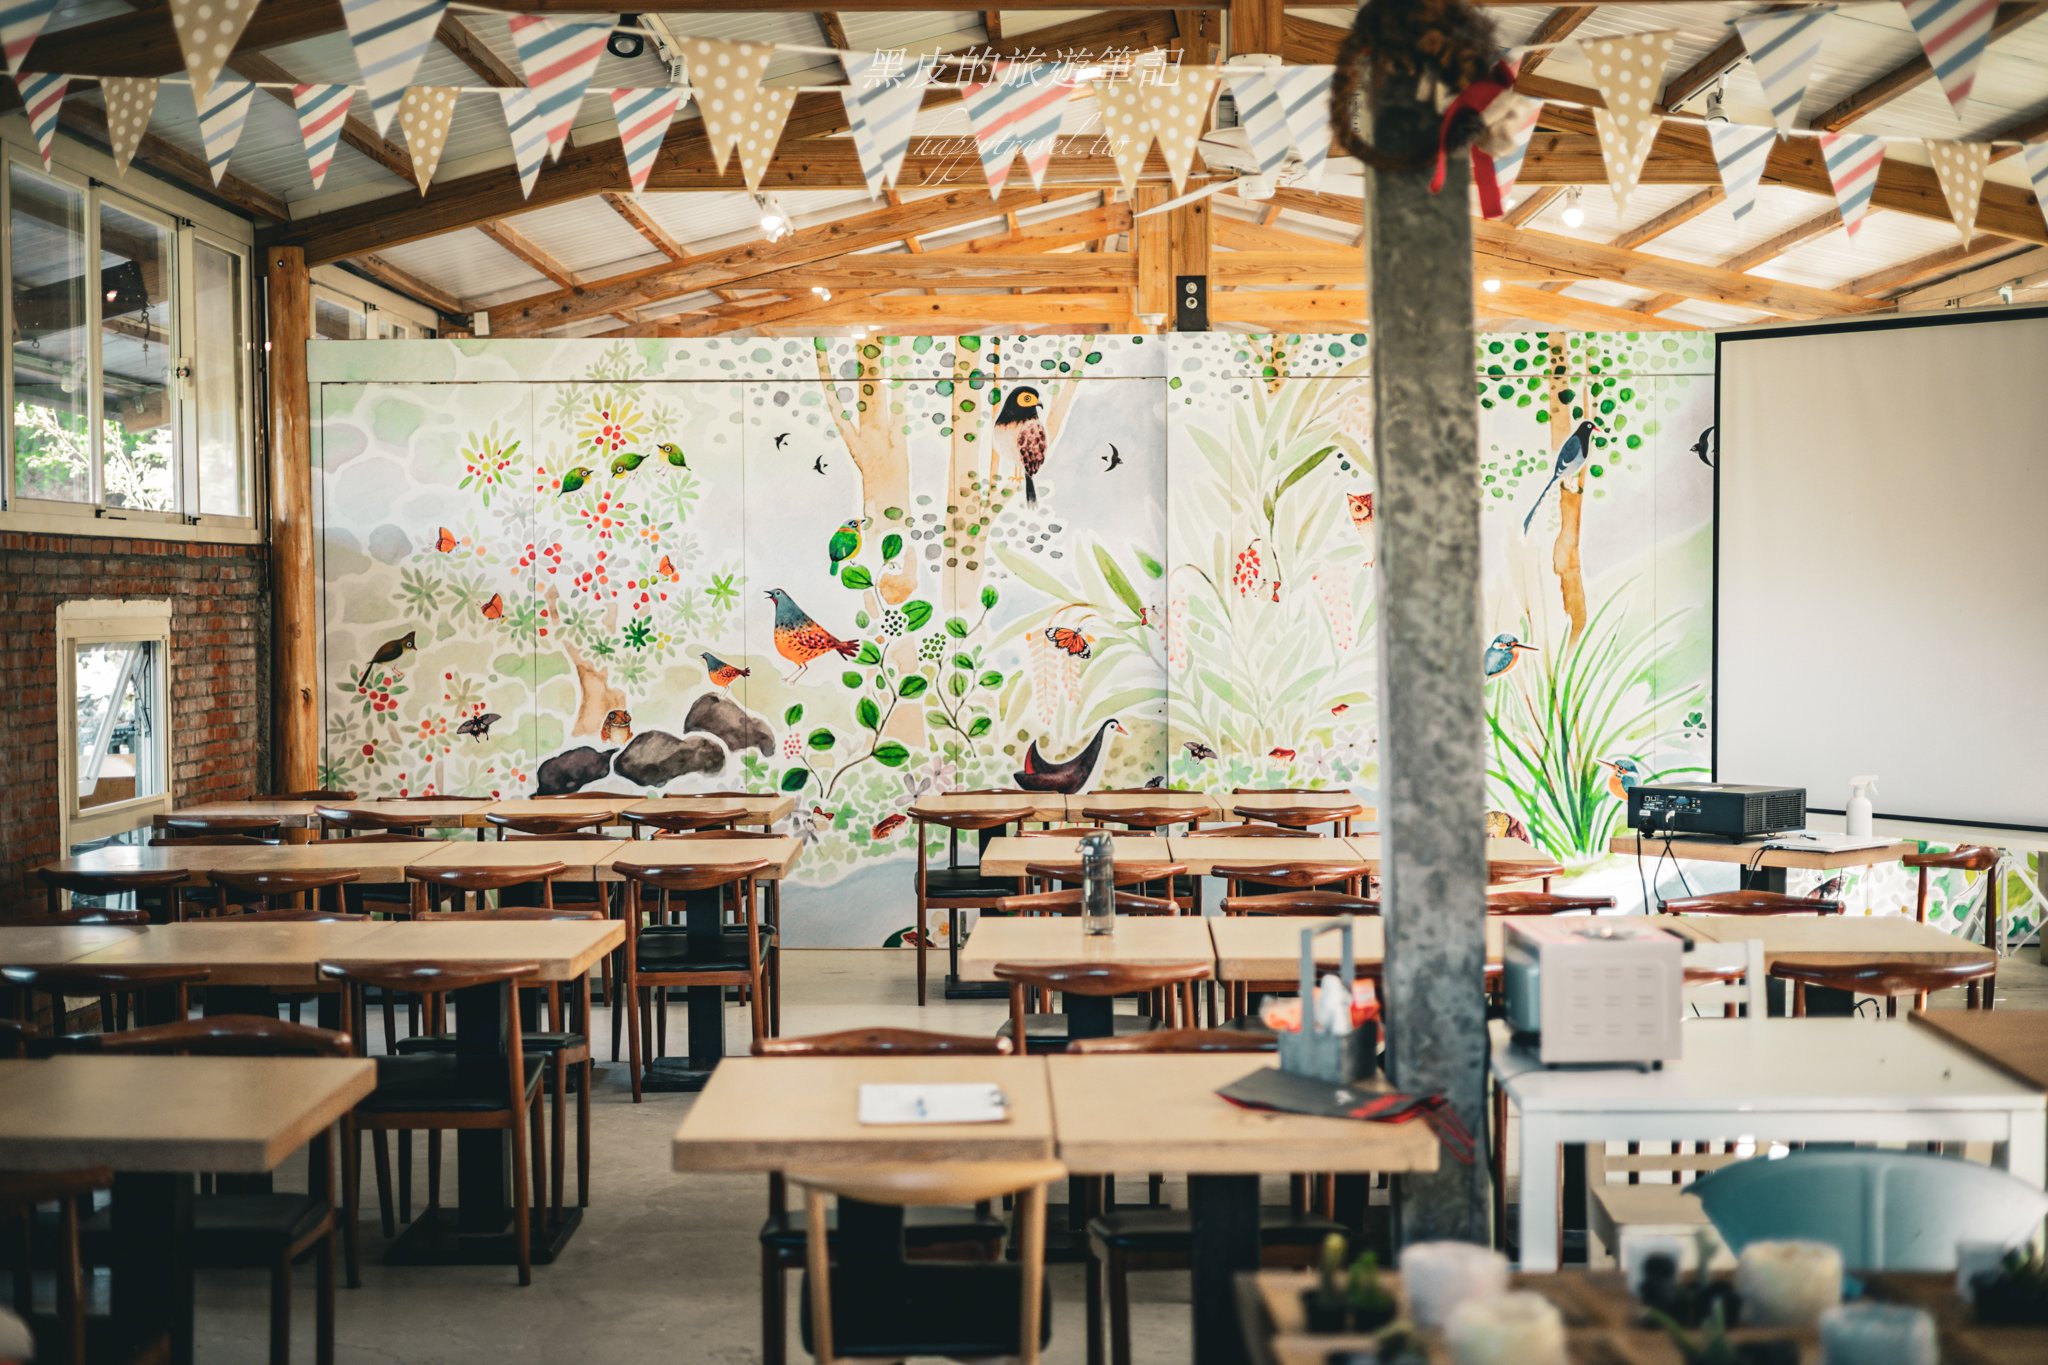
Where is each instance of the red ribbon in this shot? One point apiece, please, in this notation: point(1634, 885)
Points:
point(1476, 97)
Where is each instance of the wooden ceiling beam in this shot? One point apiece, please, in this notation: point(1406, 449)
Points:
point(1308, 309)
point(1527, 211)
point(880, 272)
point(1557, 26)
point(411, 285)
point(1767, 250)
point(1725, 57)
point(1678, 214)
point(475, 53)
point(1914, 72)
point(1980, 285)
point(1950, 261)
point(144, 44)
point(1256, 26)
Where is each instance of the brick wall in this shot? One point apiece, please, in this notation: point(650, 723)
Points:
point(219, 675)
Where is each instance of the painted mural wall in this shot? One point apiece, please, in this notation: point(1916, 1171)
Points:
point(860, 571)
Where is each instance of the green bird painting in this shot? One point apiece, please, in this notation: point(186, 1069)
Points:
point(575, 479)
point(627, 463)
point(673, 453)
point(845, 543)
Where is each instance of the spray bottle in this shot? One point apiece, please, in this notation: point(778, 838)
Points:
point(1859, 809)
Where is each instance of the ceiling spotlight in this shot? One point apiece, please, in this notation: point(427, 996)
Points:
point(1490, 286)
point(1573, 216)
point(774, 221)
point(1717, 112)
point(822, 292)
point(627, 45)
point(2005, 292)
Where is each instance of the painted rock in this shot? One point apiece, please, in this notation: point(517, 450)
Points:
point(572, 770)
point(656, 758)
point(732, 723)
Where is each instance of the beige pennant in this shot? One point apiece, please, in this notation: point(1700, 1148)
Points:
point(1177, 107)
point(130, 101)
point(207, 33)
point(1122, 105)
point(766, 112)
point(725, 78)
point(1630, 74)
point(1960, 166)
point(426, 113)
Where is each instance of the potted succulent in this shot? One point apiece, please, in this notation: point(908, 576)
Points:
point(1688, 1302)
point(1372, 1306)
point(1710, 1344)
point(1326, 1305)
point(2016, 1292)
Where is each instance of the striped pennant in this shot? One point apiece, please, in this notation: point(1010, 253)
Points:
point(1508, 166)
point(207, 33)
point(1783, 47)
point(529, 143)
point(42, 96)
point(1960, 167)
point(1121, 105)
point(882, 101)
point(558, 59)
point(724, 77)
point(130, 101)
point(2035, 154)
point(643, 116)
point(1263, 120)
point(1954, 34)
point(426, 113)
point(222, 112)
point(1739, 154)
point(1305, 98)
point(1852, 160)
point(21, 23)
point(390, 37)
point(322, 111)
point(1018, 111)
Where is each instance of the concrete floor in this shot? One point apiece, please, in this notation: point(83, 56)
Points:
point(665, 1267)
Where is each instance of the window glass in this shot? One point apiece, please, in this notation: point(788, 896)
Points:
point(120, 744)
point(218, 358)
point(52, 389)
point(138, 438)
point(334, 320)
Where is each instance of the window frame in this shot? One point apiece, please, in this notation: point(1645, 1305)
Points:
point(86, 621)
point(196, 236)
point(97, 198)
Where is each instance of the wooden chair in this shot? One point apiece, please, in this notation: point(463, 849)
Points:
point(1250, 831)
point(1890, 980)
point(242, 1229)
point(930, 1232)
point(1507, 873)
point(1967, 858)
point(129, 994)
point(770, 917)
point(1069, 902)
point(95, 914)
point(1302, 817)
point(211, 841)
point(1168, 881)
point(467, 887)
point(1355, 878)
point(646, 822)
point(1177, 1040)
point(1096, 984)
point(954, 888)
point(159, 884)
point(544, 826)
point(337, 823)
point(236, 892)
point(255, 826)
point(1065, 832)
point(436, 1091)
point(1322, 904)
point(317, 794)
point(1509, 903)
point(1149, 819)
point(893, 1307)
point(1749, 903)
point(658, 956)
point(22, 1193)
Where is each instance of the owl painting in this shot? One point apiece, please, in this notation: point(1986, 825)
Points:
point(1361, 520)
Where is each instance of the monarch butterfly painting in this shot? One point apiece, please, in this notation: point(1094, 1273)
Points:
point(495, 608)
point(446, 541)
point(1072, 641)
point(667, 569)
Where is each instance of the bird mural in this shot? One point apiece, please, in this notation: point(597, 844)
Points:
point(1503, 654)
point(1623, 775)
point(1071, 776)
point(1571, 458)
point(799, 639)
point(574, 479)
point(1020, 427)
point(781, 440)
point(845, 543)
point(1501, 825)
point(478, 727)
point(721, 672)
point(673, 453)
point(819, 464)
point(626, 462)
point(389, 652)
point(1112, 460)
point(1706, 444)
point(1831, 889)
point(1360, 507)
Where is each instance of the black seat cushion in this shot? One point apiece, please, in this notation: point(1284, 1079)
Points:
point(535, 1044)
point(922, 1227)
point(962, 883)
point(436, 1083)
point(675, 950)
point(1048, 1032)
point(229, 1231)
point(1173, 1229)
point(925, 1308)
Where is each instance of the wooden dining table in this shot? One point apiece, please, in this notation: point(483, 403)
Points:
point(157, 1122)
point(1763, 867)
point(762, 808)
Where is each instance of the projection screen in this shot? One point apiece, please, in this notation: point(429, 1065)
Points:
point(1882, 564)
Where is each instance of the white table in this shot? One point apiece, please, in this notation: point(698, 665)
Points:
point(1789, 1080)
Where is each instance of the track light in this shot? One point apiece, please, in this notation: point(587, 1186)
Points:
point(1573, 216)
point(822, 292)
point(627, 45)
point(1490, 286)
point(774, 222)
point(1717, 111)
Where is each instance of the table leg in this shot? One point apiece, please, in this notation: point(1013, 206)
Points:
point(1539, 1225)
point(703, 914)
point(1226, 1244)
point(1089, 1016)
point(2026, 1149)
point(152, 1255)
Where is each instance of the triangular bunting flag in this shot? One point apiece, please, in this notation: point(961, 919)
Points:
point(1740, 152)
point(724, 77)
point(1954, 34)
point(390, 37)
point(2035, 154)
point(1960, 167)
point(765, 114)
point(643, 115)
point(42, 96)
point(558, 59)
point(426, 113)
point(1630, 73)
point(1122, 105)
point(1508, 166)
point(882, 101)
point(21, 23)
point(529, 143)
point(130, 101)
point(222, 112)
point(1783, 47)
point(1305, 98)
point(1178, 105)
point(322, 111)
point(1017, 110)
point(207, 33)
point(1852, 161)
point(1263, 120)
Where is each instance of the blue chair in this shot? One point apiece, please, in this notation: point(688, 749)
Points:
point(1883, 1210)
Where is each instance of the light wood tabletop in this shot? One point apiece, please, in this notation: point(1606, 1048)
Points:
point(1268, 947)
point(1008, 855)
point(2016, 1041)
point(780, 854)
point(1839, 940)
point(762, 809)
point(171, 1114)
point(1371, 850)
point(376, 862)
point(1161, 1113)
point(1201, 805)
point(1752, 853)
point(607, 804)
point(276, 953)
point(463, 814)
point(1044, 940)
point(290, 814)
point(582, 857)
point(778, 1113)
point(25, 943)
point(1201, 855)
point(1047, 806)
point(563, 949)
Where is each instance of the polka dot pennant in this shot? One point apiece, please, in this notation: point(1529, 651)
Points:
point(130, 101)
point(1176, 104)
point(726, 77)
point(425, 114)
point(1960, 166)
point(1124, 124)
point(1630, 74)
point(207, 33)
point(761, 129)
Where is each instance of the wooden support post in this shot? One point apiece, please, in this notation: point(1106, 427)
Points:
point(295, 760)
point(1189, 235)
point(1152, 244)
point(1433, 770)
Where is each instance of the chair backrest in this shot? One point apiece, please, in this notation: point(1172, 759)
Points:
point(1121, 874)
point(1750, 903)
point(1323, 903)
point(884, 1042)
point(1544, 903)
point(1883, 1210)
point(1509, 871)
point(317, 794)
point(465, 880)
point(551, 825)
point(225, 1035)
point(1727, 979)
point(1303, 876)
point(121, 986)
point(112, 883)
point(686, 877)
point(1101, 978)
point(1966, 858)
point(1250, 831)
point(267, 888)
point(974, 821)
point(210, 841)
point(261, 826)
point(683, 821)
point(1181, 1040)
point(338, 821)
point(1066, 832)
point(1883, 977)
point(529, 913)
point(720, 834)
point(421, 977)
point(435, 796)
point(1298, 817)
point(94, 914)
point(287, 916)
point(1069, 902)
point(1140, 817)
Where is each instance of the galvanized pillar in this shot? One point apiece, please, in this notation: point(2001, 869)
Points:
point(1432, 723)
